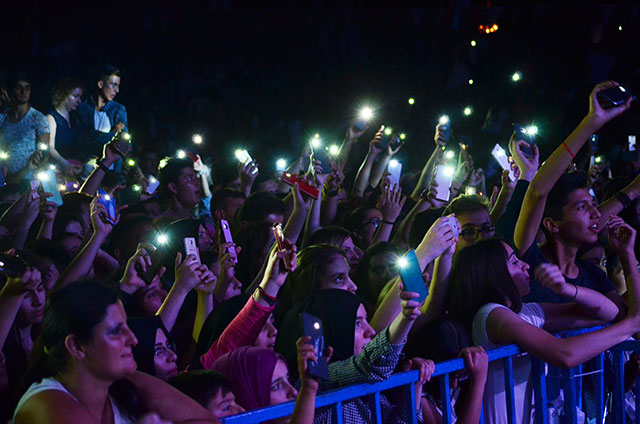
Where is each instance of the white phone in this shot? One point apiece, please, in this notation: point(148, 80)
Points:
point(226, 233)
point(190, 248)
point(152, 184)
point(395, 170)
point(632, 143)
point(501, 156)
point(444, 178)
point(244, 157)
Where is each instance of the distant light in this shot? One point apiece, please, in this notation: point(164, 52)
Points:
point(181, 154)
point(281, 165)
point(449, 154)
point(316, 135)
point(4, 155)
point(412, 100)
point(494, 27)
point(444, 119)
point(402, 136)
point(517, 76)
point(136, 187)
point(470, 82)
point(622, 88)
point(470, 190)
point(197, 139)
point(131, 162)
point(449, 171)
point(388, 131)
point(107, 197)
point(153, 180)
point(598, 159)
point(532, 130)
point(43, 146)
point(162, 238)
point(473, 43)
point(620, 28)
point(52, 167)
point(126, 136)
point(42, 176)
point(316, 142)
point(62, 187)
point(334, 150)
point(393, 163)
point(316, 325)
point(468, 110)
point(402, 262)
point(366, 113)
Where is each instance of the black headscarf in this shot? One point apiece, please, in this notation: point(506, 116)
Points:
point(145, 330)
point(337, 309)
point(217, 321)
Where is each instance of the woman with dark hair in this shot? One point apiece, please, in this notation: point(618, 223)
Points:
point(376, 268)
point(321, 266)
point(91, 373)
point(340, 237)
point(155, 352)
point(66, 96)
point(487, 281)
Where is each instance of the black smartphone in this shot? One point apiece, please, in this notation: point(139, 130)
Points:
point(522, 134)
point(152, 270)
point(312, 327)
point(411, 275)
point(122, 143)
point(321, 154)
point(614, 96)
point(387, 133)
point(593, 142)
point(12, 265)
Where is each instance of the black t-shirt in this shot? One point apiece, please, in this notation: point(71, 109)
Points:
point(589, 276)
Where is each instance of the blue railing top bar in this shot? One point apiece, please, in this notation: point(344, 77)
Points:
point(395, 381)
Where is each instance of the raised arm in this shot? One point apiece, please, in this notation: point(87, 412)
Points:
point(93, 182)
point(615, 204)
point(381, 166)
point(550, 171)
point(350, 137)
point(362, 177)
point(427, 170)
point(187, 277)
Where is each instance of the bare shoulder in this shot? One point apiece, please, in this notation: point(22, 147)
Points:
point(53, 407)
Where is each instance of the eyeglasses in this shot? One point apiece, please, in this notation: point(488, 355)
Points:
point(163, 351)
point(472, 233)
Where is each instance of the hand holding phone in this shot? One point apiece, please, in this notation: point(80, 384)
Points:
point(411, 275)
point(109, 204)
point(501, 157)
point(614, 96)
point(443, 178)
point(312, 327)
point(290, 179)
point(49, 184)
point(191, 248)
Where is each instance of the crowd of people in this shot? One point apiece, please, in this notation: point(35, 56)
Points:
point(144, 284)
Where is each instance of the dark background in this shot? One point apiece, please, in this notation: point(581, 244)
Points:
point(268, 75)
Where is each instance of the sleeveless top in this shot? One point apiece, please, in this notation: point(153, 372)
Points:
point(494, 402)
point(119, 416)
point(66, 136)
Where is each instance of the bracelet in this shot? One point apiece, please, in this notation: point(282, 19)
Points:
point(576, 293)
point(271, 300)
point(330, 193)
point(102, 166)
point(387, 222)
point(624, 199)
point(568, 149)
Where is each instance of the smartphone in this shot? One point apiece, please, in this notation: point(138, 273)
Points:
point(152, 185)
point(49, 184)
point(614, 96)
point(244, 157)
point(521, 133)
point(632, 143)
point(312, 327)
point(225, 231)
point(387, 133)
point(444, 178)
point(360, 124)
point(305, 188)
point(278, 235)
point(501, 157)
point(321, 154)
point(411, 276)
point(34, 187)
point(122, 143)
point(452, 221)
point(593, 142)
point(395, 170)
point(191, 248)
point(156, 263)
point(12, 265)
point(109, 204)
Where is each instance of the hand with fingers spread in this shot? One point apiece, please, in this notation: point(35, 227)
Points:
point(599, 115)
point(527, 166)
point(391, 202)
point(476, 362)
point(622, 237)
point(307, 352)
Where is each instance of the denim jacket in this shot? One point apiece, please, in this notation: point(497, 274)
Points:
point(90, 139)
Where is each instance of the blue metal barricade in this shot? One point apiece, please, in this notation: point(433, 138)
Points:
point(571, 384)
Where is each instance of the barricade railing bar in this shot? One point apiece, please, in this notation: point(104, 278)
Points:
point(569, 380)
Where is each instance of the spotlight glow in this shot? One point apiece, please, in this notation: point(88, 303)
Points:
point(517, 76)
point(402, 136)
point(448, 171)
point(388, 131)
point(281, 165)
point(181, 154)
point(4, 155)
point(449, 154)
point(131, 162)
point(532, 130)
point(43, 146)
point(402, 262)
point(136, 187)
point(366, 113)
point(334, 150)
point(473, 43)
point(468, 111)
point(162, 238)
point(126, 136)
point(393, 163)
point(197, 139)
point(316, 142)
point(470, 82)
point(42, 176)
point(412, 100)
point(444, 119)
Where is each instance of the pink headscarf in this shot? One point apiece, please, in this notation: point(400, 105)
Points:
point(250, 371)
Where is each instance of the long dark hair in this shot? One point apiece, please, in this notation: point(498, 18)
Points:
point(479, 275)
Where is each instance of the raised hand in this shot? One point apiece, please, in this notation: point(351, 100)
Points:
point(48, 209)
point(391, 202)
point(99, 221)
point(527, 166)
point(186, 272)
point(622, 237)
point(439, 136)
point(374, 144)
point(307, 352)
point(207, 280)
point(132, 279)
point(438, 239)
point(410, 307)
point(597, 114)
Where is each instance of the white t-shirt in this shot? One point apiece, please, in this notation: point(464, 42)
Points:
point(119, 416)
point(495, 402)
point(101, 121)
